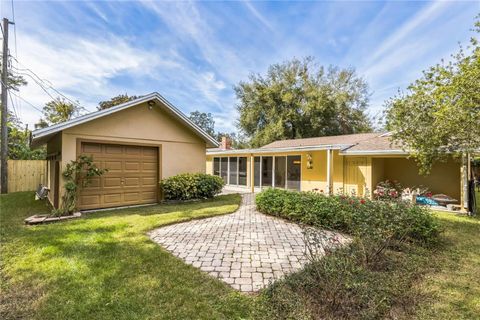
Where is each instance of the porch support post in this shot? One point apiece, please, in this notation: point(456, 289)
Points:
point(329, 171)
point(252, 173)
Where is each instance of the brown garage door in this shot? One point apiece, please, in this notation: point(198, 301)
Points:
point(132, 176)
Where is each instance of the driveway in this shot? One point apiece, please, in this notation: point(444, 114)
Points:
point(245, 249)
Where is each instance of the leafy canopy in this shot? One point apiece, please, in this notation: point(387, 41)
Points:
point(57, 111)
point(203, 120)
point(439, 115)
point(121, 98)
point(299, 99)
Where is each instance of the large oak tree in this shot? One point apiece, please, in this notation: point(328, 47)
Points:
point(300, 99)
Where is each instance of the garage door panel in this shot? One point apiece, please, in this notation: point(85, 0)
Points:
point(91, 148)
point(90, 200)
point(133, 150)
point(132, 196)
point(112, 166)
point(132, 166)
point(149, 195)
point(132, 176)
point(112, 182)
point(111, 149)
point(150, 152)
point(148, 181)
point(149, 166)
point(112, 198)
point(132, 182)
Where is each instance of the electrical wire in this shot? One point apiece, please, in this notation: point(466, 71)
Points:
point(27, 102)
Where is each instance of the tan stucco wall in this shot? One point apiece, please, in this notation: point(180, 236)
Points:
point(181, 150)
point(53, 147)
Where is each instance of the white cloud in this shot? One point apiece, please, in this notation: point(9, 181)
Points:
point(258, 15)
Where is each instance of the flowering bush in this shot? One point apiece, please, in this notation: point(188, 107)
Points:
point(375, 219)
point(388, 190)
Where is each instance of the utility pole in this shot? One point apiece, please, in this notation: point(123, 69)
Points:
point(3, 125)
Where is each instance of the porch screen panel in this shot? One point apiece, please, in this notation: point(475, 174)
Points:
point(280, 172)
point(294, 164)
point(256, 171)
point(224, 169)
point(242, 171)
point(233, 170)
point(267, 168)
point(216, 166)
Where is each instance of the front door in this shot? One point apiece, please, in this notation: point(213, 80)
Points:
point(355, 176)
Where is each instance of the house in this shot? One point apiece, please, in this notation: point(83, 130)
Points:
point(352, 164)
point(139, 142)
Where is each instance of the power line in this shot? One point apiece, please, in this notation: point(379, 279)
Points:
point(27, 102)
point(46, 83)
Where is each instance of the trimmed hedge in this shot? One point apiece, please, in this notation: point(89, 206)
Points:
point(190, 186)
point(362, 217)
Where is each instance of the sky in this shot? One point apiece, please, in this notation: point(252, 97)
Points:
point(194, 53)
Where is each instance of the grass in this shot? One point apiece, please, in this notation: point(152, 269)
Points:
point(104, 266)
point(452, 287)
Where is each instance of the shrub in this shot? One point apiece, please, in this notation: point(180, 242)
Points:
point(372, 277)
point(190, 186)
point(375, 219)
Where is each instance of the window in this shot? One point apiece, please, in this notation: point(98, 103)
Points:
point(267, 169)
point(242, 171)
point(216, 166)
point(233, 170)
point(224, 169)
point(256, 171)
point(280, 172)
point(294, 164)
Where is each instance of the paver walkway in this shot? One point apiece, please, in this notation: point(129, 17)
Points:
point(245, 249)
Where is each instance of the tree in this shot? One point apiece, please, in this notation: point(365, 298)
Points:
point(238, 141)
point(204, 121)
point(121, 98)
point(57, 111)
point(439, 115)
point(299, 99)
point(18, 137)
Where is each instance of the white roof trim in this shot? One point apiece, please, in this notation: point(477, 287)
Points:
point(278, 150)
point(373, 152)
point(37, 134)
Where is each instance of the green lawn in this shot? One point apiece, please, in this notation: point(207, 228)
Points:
point(104, 266)
point(452, 288)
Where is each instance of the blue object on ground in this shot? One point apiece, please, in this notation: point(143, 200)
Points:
point(427, 201)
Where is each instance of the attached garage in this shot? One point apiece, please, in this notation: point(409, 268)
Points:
point(139, 143)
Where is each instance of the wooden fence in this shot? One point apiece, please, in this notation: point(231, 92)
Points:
point(26, 175)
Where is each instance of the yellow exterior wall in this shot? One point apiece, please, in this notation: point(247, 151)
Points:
point(361, 174)
point(315, 178)
point(444, 177)
point(378, 172)
point(357, 175)
point(181, 150)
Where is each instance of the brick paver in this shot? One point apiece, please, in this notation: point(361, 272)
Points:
point(245, 249)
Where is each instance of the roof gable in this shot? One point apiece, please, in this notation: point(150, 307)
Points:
point(41, 136)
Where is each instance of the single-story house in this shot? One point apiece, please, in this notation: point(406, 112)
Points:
point(139, 142)
point(352, 164)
